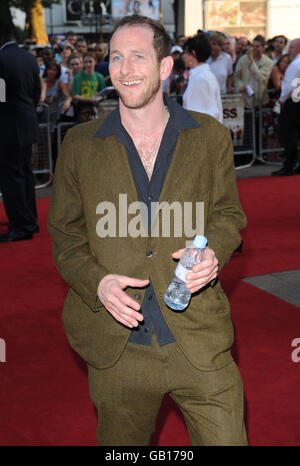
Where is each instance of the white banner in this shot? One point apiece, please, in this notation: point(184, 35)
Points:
point(233, 116)
point(283, 18)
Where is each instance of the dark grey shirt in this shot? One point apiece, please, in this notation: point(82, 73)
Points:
point(149, 191)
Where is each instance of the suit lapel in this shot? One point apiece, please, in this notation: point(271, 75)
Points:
point(119, 164)
point(180, 163)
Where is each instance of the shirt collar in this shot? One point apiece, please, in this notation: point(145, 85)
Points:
point(179, 118)
point(12, 42)
point(201, 67)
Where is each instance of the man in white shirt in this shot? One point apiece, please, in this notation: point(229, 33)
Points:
point(289, 123)
point(221, 64)
point(203, 91)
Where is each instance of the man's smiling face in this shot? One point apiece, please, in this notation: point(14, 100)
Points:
point(133, 66)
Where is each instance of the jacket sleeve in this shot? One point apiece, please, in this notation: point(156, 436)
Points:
point(261, 74)
point(66, 224)
point(226, 216)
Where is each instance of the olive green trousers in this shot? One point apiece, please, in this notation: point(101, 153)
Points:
point(128, 397)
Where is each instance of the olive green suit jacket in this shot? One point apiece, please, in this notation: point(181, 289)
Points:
point(91, 170)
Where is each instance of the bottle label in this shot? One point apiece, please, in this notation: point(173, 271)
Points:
point(181, 272)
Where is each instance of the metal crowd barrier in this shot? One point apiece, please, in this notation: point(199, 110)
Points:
point(104, 108)
point(42, 150)
point(270, 150)
point(245, 152)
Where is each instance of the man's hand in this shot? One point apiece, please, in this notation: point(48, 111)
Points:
point(123, 308)
point(250, 53)
point(67, 104)
point(203, 273)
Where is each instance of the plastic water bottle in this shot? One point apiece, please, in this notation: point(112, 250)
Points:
point(177, 296)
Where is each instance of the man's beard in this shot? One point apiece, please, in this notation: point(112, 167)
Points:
point(141, 101)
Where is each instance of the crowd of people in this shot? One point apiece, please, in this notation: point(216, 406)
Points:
point(74, 73)
point(237, 64)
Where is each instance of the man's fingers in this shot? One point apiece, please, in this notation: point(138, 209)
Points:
point(123, 314)
point(134, 282)
point(124, 308)
point(177, 254)
point(202, 274)
point(120, 319)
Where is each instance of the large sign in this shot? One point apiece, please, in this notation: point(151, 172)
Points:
point(283, 18)
point(233, 116)
point(236, 17)
point(150, 8)
point(77, 10)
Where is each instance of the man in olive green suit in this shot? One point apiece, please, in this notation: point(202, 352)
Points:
point(137, 349)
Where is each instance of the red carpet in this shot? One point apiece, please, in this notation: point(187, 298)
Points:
point(43, 391)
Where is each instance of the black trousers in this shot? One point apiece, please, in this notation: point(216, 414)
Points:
point(289, 131)
point(18, 187)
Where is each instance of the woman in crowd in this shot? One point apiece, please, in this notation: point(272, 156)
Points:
point(229, 47)
point(278, 72)
point(55, 95)
point(271, 118)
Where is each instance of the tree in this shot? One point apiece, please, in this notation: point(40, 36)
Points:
point(35, 29)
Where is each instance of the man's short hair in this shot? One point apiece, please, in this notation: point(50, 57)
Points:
point(80, 39)
point(200, 44)
point(162, 42)
point(89, 54)
point(260, 39)
point(73, 56)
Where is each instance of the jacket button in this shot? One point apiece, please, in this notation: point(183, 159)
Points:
point(137, 295)
point(146, 329)
point(149, 253)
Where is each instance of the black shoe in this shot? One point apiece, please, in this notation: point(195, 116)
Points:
point(283, 172)
point(14, 235)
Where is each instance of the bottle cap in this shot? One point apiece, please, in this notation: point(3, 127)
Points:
point(200, 241)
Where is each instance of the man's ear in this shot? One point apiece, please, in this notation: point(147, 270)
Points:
point(166, 67)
